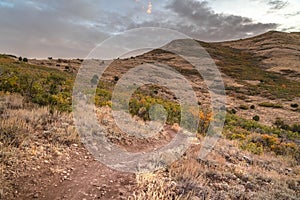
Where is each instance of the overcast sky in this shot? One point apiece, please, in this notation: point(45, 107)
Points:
point(61, 28)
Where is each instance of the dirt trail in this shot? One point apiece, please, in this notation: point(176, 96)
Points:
point(91, 180)
point(76, 176)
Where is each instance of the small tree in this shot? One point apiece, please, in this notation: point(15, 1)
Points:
point(25, 60)
point(20, 58)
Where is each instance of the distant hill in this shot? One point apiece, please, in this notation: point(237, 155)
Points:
point(278, 51)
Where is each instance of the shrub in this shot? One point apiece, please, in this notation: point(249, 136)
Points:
point(270, 105)
point(256, 118)
point(103, 97)
point(296, 128)
point(252, 147)
point(244, 107)
point(252, 107)
point(294, 105)
point(116, 78)
point(268, 140)
point(25, 60)
point(281, 124)
point(233, 111)
point(13, 132)
point(94, 80)
point(140, 105)
point(237, 136)
point(49, 58)
point(286, 148)
point(20, 58)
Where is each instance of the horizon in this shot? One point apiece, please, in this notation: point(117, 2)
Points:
point(76, 58)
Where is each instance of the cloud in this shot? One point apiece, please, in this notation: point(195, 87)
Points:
point(198, 20)
point(59, 28)
point(292, 14)
point(289, 29)
point(277, 4)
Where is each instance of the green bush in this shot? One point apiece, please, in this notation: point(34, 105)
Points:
point(294, 105)
point(25, 60)
point(116, 78)
point(281, 124)
point(140, 105)
point(270, 105)
point(256, 118)
point(233, 111)
point(41, 85)
point(296, 128)
point(244, 107)
point(103, 97)
point(252, 147)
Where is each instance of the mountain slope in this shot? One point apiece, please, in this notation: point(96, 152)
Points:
point(278, 51)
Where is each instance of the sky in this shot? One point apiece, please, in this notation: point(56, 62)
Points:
point(71, 29)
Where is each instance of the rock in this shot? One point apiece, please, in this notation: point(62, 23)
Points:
point(230, 176)
point(224, 186)
point(36, 195)
point(248, 160)
point(64, 125)
point(250, 186)
point(47, 132)
point(289, 170)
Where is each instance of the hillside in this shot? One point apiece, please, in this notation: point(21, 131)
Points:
point(278, 52)
point(42, 156)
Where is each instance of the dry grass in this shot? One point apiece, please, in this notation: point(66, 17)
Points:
point(31, 134)
point(24, 127)
point(228, 173)
point(153, 186)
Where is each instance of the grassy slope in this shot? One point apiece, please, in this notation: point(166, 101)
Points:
point(44, 86)
point(53, 88)
point(242, 66)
